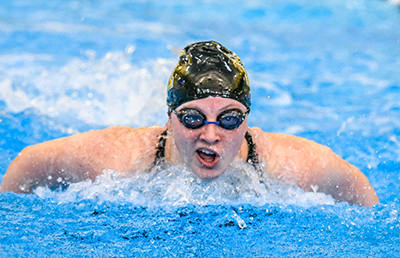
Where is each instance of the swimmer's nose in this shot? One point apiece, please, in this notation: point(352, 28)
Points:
point(210, 133)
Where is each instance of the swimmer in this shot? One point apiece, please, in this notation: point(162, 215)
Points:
point(208, 106)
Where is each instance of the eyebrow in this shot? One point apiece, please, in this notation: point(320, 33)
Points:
point(226, 107)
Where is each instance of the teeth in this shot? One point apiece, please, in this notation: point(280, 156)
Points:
point(208, 152)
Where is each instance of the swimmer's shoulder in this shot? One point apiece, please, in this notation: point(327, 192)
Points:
point(268, 143)
point(116, 148)
point(122, 137)
point(288, 153)
point(119, 147)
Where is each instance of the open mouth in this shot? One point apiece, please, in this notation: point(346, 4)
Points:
point(207, 157)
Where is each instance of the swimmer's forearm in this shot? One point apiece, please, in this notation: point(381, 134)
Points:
point(360, 193)
point(315, 167)
point(79, 157)
point(40, 165)
point(364, 193)
point(345, 183)
point(23, 174)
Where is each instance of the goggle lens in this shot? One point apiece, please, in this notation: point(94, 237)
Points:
point(194, 119)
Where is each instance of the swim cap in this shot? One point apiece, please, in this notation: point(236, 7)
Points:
point(207, 69)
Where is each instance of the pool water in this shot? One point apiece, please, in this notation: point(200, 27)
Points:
point(326, 71)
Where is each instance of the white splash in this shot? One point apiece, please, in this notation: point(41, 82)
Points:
point(107, 91)
point(177, 186)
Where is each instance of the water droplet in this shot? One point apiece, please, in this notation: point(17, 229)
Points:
point(130, 49)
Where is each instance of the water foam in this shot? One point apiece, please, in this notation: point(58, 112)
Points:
point(106, 91)
point(177, 186)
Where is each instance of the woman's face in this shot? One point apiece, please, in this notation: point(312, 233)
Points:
point(208, 150)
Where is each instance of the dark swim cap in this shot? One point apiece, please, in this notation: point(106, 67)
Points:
point(207, 69)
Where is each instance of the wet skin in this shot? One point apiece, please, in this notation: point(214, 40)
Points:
point(205, 69)
point(286, 159)
point(208, 150)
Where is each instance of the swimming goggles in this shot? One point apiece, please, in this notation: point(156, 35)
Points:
point(193, 119)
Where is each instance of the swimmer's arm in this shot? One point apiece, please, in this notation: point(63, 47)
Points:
point(80, 157)
point(332, 175)
point(313, 167)
point(51, 163)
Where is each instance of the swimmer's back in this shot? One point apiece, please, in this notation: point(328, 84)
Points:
point(81, 156)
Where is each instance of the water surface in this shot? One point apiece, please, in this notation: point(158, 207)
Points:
point(327, 71)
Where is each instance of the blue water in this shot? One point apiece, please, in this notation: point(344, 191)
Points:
point(327, 71)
